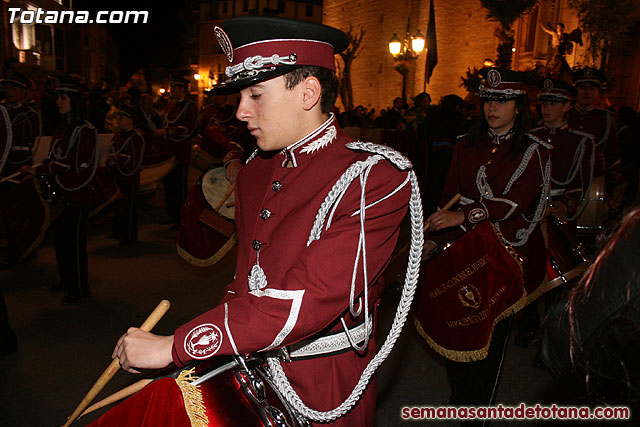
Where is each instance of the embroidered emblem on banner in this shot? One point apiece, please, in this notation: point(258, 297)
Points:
point(470, 296)
point(203, 341)
point(225, 43)
point(547, 85)
point(321, 142)
point(494, 78)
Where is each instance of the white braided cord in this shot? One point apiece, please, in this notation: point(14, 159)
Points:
point(411, 278)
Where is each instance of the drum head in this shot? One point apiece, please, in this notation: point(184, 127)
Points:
point(214, 187)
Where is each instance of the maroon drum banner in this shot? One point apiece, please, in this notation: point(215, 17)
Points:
point(464, 291)
point(211, 393)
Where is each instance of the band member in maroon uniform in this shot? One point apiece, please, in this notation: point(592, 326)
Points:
point(71, 166)
point(25, 127)
point(502, 174)
point(224, 136)
point(572, 156)
point(585, 117)
point(125, 159)
point(8, 339)
point(25, 121)
point(180, 122)
point(296, 290)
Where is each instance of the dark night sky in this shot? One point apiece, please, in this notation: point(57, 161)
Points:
point(159, 42)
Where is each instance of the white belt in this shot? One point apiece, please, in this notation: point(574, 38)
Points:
point(331, 343)
point(20, 148)
point(557, 192)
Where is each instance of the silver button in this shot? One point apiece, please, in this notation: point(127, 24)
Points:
point(256, 245)
point(265, 213)
point(276, 185)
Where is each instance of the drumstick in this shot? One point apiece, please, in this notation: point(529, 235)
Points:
point(446, 207)
point(125, 392)
point(113, 367)
point(225, 197)
point(13, 175)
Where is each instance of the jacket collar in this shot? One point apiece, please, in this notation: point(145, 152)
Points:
point(313, 143)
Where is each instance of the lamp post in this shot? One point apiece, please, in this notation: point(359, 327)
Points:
point(404, 52)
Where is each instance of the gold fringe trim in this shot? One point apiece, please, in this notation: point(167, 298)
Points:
point(208, 262)
point(193, 401)
point(471, 355)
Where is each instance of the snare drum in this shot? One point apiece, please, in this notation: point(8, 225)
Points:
point(464, 291)
point(566, 259)
point(221, 391)
point(206, 234)
point(28, 215)
point(592, 217)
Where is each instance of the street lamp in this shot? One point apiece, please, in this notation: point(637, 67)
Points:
point(404, 52)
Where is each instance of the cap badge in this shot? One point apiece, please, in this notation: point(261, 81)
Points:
point(587, 72)
point(225, 43)
point(494, 78)
point(547, 85)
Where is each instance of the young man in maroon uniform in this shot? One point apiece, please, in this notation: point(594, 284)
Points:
point(572, 156)
point(124, 161)
point(291, 291)
point(179, 125)
point(585, 117)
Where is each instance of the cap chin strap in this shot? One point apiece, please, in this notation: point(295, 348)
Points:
point(361, 170)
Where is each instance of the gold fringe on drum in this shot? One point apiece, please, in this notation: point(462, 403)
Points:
point(193, 401)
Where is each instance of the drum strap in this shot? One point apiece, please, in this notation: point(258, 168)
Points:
point(332, 344)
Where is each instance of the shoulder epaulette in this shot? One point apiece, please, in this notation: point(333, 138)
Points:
point(461, 136)
point(394, 157)
point(539, 141)
point(536, 129)
point(578, 132)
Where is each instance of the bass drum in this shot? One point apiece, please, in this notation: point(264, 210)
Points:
point(592, 217)
point(221, 391)
point(207, 228)
point(566, 260)
point(28, 214)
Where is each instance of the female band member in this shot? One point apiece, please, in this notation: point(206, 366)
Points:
point(71, 166)
point(502, 174)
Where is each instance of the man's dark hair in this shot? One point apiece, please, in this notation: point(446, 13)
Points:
point(328, 82)
point(561, 25)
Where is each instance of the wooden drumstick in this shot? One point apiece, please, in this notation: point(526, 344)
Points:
point(226, 196)
point(118, 395)
point(113, 367)
point(13, 175)
point(446, 207)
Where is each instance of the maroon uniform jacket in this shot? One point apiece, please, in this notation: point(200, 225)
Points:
point(223, 135)
point(5, 137)
point(503, 188)
point(572, 162)
point(73, 162)
point(125, 156)
point(26, 127)
point(599, 123)
point(181, 121)
point(308, 291)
